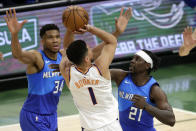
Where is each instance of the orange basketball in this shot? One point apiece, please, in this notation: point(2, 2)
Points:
point(75, 17)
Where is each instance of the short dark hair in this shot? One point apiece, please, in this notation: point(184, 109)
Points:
point(76, 51)
point(155, 59)
point(48, 27)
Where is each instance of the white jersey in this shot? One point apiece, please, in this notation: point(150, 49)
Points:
point(92, 95)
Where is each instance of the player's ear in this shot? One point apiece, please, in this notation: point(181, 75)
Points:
point(86, 58)
point(148, 66)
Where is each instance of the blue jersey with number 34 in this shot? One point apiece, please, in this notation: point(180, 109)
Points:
point(44, 88)
point(132, 118)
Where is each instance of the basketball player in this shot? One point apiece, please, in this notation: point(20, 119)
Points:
point(39, 111)
point(139, 96)
point(189, 41)
point(1, 56)
point(90, 84)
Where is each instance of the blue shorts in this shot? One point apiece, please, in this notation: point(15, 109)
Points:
point(35, 122)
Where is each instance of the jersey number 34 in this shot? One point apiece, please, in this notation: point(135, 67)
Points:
point(58, 86)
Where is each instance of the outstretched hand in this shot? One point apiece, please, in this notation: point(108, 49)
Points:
point(122, 21)
point(13, 25)
point(189, 42)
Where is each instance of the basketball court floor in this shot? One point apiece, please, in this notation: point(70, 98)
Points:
point(178, 82)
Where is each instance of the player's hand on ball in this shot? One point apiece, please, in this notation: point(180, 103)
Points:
point(88, 27)
point(80, 31)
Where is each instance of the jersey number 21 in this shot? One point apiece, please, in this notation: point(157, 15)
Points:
point(133, 113)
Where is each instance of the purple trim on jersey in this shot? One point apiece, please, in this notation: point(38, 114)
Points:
point(81, 71)
point(98, 69)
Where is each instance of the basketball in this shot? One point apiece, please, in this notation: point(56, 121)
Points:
point(75, 17)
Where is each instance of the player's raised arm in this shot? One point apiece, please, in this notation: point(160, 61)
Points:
point(189, 41)
point(108, 51)
point(27, 57)
point(68, 38)
point(109, 39)
point(120, 24)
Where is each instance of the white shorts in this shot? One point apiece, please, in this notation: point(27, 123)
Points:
point(114, 126)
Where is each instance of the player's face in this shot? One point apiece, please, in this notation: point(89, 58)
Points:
point(52, 41)
point(137, 65)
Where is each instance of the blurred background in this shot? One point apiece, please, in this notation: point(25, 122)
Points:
point(156, 25)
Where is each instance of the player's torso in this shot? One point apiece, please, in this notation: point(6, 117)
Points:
point(44, 88)
point(93, 97)
point(132, 118)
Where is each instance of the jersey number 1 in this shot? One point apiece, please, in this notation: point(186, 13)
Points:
point(90, 89)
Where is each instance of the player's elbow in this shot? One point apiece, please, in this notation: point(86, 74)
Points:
point(172, 121)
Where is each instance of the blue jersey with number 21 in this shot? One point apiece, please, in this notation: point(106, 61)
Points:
point(132, 118)
point(44, 88)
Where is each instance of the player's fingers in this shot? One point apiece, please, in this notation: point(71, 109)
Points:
point(7, 15)
point(121, 12)
point(25, 21)
point(77, 32)
point(128, 13)
point(6, 20)
point(136, 96)
point(10, 11)
point(191, 29)
point(184, 34)
point(88, 27)
point(14, 13)
point(134, 99)
point(81, 31)
point(116, 20)
point(186, 30)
